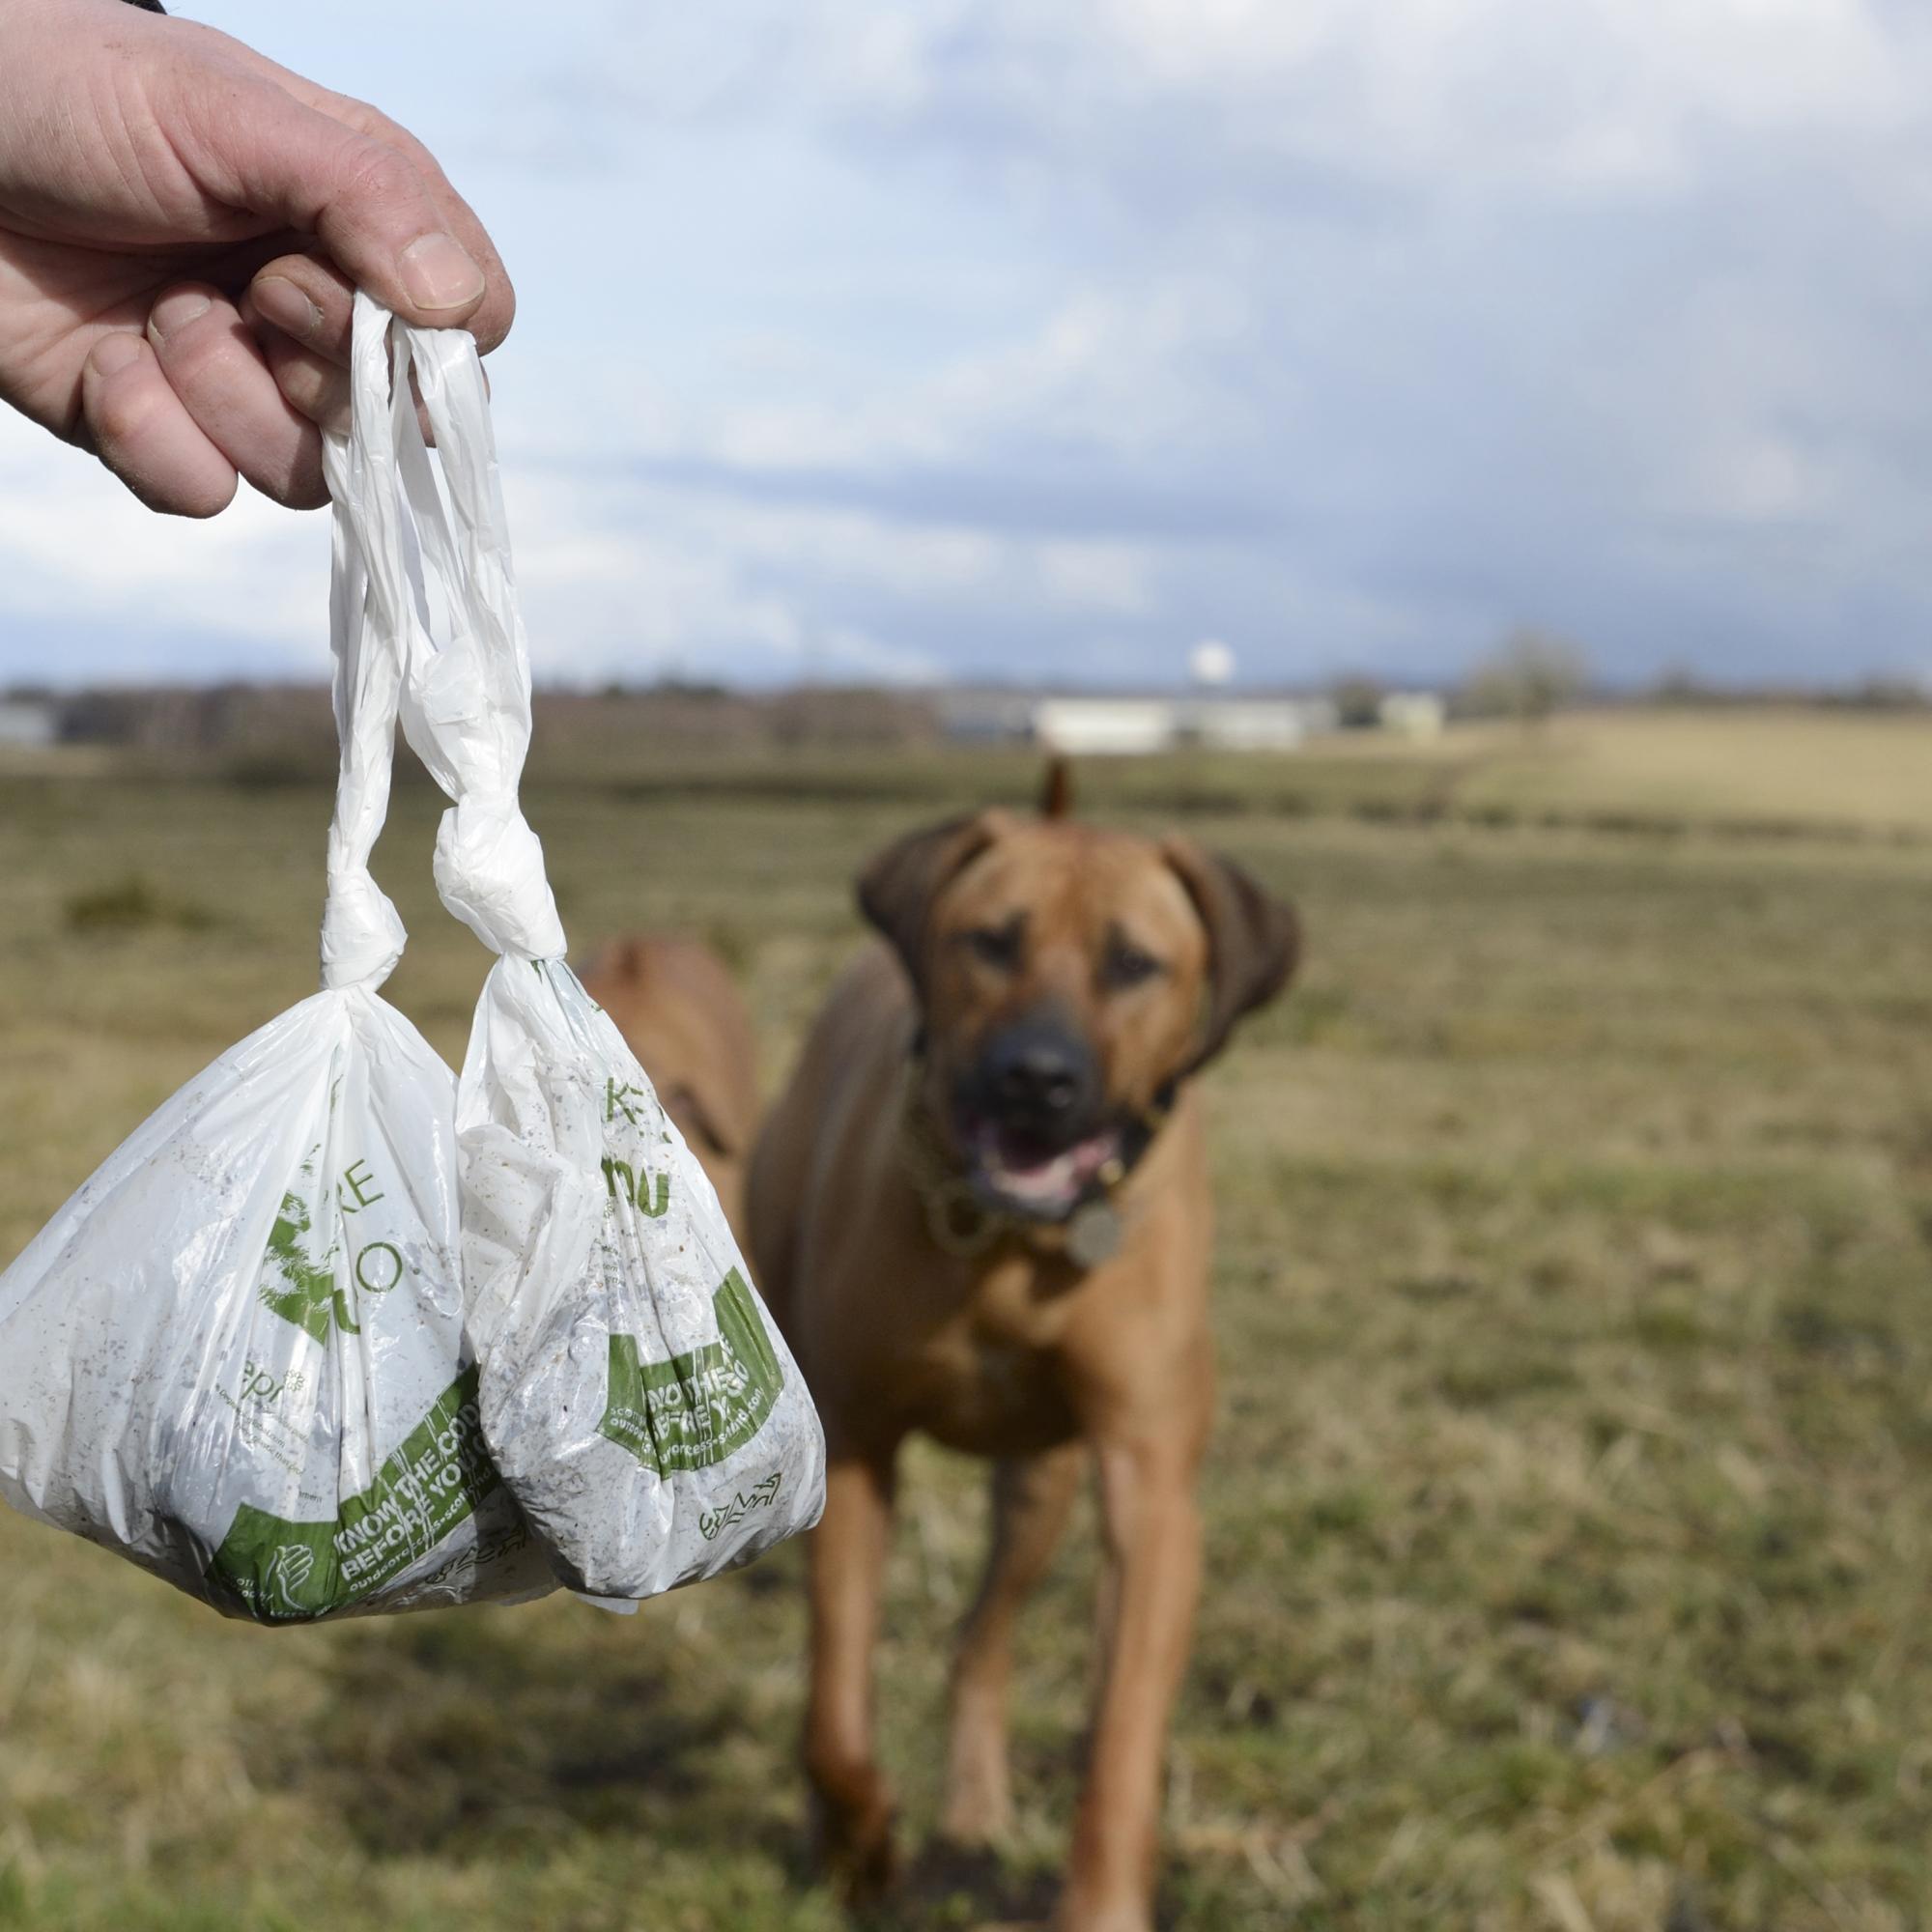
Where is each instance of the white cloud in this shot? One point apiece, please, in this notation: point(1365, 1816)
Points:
point(1552, 92)
point(1108, 578)
point(78, 552)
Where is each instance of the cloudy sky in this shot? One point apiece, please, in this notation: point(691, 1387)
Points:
point(1040, 338)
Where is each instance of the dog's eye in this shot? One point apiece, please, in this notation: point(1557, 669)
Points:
point(996, 946)
point(1128, 965)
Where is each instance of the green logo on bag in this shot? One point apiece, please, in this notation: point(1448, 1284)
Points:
point(697, 1409)
point(285, 1571)
point(300, 1285)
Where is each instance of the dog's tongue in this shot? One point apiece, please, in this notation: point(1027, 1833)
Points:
point(1036, 1177)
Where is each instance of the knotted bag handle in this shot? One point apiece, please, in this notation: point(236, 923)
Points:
point(465, 691)
point(371, 622)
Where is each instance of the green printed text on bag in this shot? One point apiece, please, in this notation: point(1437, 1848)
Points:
point(697, 1409)
point(293, 1572)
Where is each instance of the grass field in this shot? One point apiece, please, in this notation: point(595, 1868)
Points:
point(1570, 1525)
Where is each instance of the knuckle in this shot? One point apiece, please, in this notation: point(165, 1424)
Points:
point(373, 171)
point(353, 111)
point(371, 122)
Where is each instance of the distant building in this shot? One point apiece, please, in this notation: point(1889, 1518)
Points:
point(1252, 723)
point(28, 722)
point(1088, 726)
point(1413, 714)
point(1103, 726)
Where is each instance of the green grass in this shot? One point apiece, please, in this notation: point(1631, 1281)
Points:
point(1570, 1524)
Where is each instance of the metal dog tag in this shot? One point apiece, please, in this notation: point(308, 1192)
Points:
point(1093, 1234)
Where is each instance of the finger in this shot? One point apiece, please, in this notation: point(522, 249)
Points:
point(214, 364)
point(313, 302)
point(310, 301)
point(254, 147)
point(319, 389)
point(142, 431)
point(490, 321)
point(310, 386)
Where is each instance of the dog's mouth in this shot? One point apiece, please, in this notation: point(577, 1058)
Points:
point(1015, 1171)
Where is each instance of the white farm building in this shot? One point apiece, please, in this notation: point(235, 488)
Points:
point(1086, 725)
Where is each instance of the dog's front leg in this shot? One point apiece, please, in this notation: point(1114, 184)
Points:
point(1152, 1528)
point(1033, 1496)
point(847, 1576)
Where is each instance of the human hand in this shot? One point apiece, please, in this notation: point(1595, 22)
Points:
point(182, 225)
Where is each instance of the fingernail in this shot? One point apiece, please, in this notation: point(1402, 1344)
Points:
point(287, 306)
point(114, 353)
point(174, 312)
point(439, 274)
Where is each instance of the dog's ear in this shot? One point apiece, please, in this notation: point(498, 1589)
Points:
point(897, 889)
point(1254, 940)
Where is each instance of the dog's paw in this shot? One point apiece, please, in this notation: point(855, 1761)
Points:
point(855, 1840)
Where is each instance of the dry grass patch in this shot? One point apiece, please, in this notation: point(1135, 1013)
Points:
point(1570, 1520)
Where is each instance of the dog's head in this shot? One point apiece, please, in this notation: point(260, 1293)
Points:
point(1067, 979)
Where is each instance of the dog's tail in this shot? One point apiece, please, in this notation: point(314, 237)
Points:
point(1056, 787)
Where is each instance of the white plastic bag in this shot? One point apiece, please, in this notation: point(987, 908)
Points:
point(636, 1394)
point(238, 1355)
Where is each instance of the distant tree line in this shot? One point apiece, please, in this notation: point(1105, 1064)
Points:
point(1533, 674)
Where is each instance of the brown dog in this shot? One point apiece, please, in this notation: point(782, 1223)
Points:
point(982, 1210)
point(674, 1001)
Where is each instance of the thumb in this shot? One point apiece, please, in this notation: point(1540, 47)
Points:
point(373, 208)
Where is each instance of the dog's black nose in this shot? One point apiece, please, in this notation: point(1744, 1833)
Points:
point(1039, 1076)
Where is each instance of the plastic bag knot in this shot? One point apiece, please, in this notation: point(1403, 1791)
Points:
point(490, 874)
point(362, 934)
